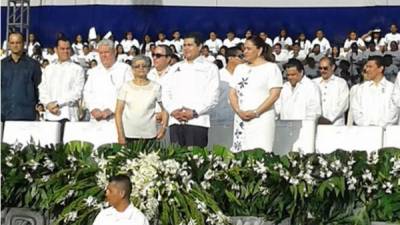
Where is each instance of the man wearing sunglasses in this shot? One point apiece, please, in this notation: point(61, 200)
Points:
point(161, 60)
point(222, 114)
point(334, 93)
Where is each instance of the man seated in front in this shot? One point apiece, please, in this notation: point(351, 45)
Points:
point(121, 212)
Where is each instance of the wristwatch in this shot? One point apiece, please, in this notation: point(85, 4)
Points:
point(195, 114)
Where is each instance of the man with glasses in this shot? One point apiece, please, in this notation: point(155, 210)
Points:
point(300, 98)
point(334, 93)
point(190, 92)
point(222, 114)
point(104, 82)
point(161, 59)
point(372, 104)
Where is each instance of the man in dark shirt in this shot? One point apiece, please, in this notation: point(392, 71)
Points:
point(20, 77)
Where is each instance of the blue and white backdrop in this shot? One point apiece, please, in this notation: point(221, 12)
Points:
point(336, 17)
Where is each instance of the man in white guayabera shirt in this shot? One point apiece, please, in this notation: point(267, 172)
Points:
point(300, 97)
point(334, 93)
point(62, 85)
point(121, 211)
point(372, 103)
point(189, 93)
point(104, 82)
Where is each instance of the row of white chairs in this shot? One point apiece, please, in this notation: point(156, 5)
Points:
point(302, 136)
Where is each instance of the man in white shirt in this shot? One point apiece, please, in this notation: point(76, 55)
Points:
point(297, 52)
point(324, 45)
point(392, 36)
point(281, 55)
point(372, 103)
point(231, 40)
point(62, 85)
point(300, 98)
point(213, 43)
point(121, 212)
point(396, 94)
point(161, 59)
point(334, 93)
point(223, 114)
point(205, 53)
point(104, 82)
point(191, 91)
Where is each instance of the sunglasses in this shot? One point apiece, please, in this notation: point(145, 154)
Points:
point(157, 55)
point(323, 68)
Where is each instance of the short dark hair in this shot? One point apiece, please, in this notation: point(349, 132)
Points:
point(196, 36)
point(63, 38)
point(377, 59)
point(231, 52)
point(123, 182)
point(167, 49)
point(295, 63)
point(16, 33)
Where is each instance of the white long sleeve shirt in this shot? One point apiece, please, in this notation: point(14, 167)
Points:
point(62, 82)
point(302, 102)
point(102, 87)
point(372, 104)
point(194, 86)
point(334, 98)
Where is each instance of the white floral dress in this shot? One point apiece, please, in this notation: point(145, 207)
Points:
point(252, 85)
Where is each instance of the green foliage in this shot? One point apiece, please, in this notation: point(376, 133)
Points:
point(67, 183)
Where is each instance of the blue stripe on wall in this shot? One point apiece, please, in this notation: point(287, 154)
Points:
point(337, 22)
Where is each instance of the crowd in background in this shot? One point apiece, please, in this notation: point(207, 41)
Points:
point(324, 80)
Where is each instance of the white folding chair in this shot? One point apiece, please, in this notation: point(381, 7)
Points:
point(367, 138)
point(392, 137)
point(97, 133)
point(43, 133)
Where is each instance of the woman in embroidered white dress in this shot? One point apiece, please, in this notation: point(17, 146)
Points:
point(255, 87)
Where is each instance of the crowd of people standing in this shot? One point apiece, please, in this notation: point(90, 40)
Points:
point(187, 84)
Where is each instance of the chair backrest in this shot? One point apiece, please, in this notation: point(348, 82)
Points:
point(24, 216)
point(97, 133)
point(294, 135)
point(392, 137)
point(329, 138)
point(24, 132)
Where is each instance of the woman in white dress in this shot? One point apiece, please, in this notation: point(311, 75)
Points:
point(255, 87)
point(135, 112)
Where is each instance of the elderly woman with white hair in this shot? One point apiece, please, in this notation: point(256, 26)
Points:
point(135, 112)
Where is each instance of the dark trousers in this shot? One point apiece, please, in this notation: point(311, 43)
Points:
point(188, 135)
